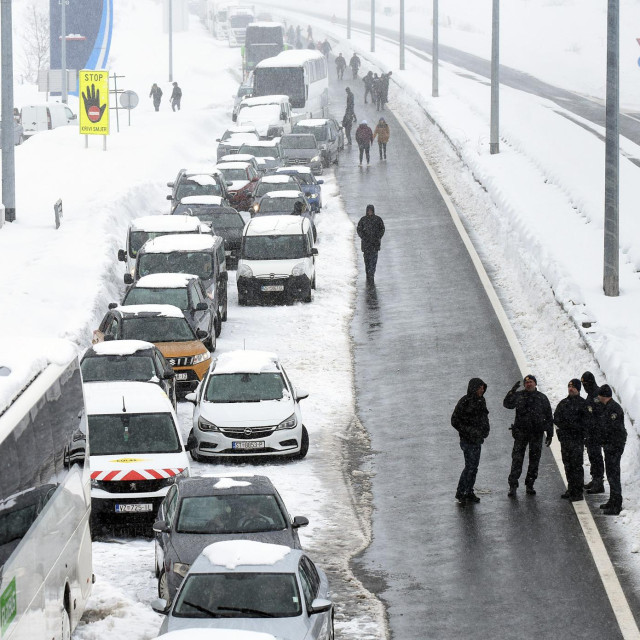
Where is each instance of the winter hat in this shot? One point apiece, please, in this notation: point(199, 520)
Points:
point(576, 384)
point(382, 120)
point(605, 391)
point(364, 122)
point(371, 208)
point(530, 376)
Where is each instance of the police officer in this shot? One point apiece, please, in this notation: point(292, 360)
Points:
point(592, 439)
point(572, 419)
point(533, 418)
point(613, 438)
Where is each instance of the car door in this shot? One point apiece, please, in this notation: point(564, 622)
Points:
point(317, 623)
point(163, 539)
point(108, 326)
point(202, 318)
point(163, 368)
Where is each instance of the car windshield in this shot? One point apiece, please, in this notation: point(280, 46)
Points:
point(129, 433)
point(305, 178)
point(274, 247)
point(244, 91)
point(157, 329)
point(259, 152)
point(234, 174)
point(319, 132)
point(245, 387)
point(143, 295)
point(298, 142)
point(278, 205)
point(231, 513)
point(266, 187)
point(238, 595)
point(200, 263)
point(129, 367)
point(259, 113)
point(189, 188)
point(138, 238)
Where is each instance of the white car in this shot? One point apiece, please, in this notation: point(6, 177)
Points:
point(247, 406)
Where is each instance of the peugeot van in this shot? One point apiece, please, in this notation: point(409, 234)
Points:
point(43, 117)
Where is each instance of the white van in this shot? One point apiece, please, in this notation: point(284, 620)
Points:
point(42, 117)
point(136, 451)
point(277, 258)
point(271, 115)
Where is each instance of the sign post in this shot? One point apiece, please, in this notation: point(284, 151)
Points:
point(129, 100)
point(94, 103)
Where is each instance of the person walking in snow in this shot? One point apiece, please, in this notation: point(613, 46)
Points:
point(354, 63)
point(325, 47)
point(470, 419)
point(341, 65)
point(156, 95)
point(592, 438)
point(176, 96)
point(364, 138)
point(368, 86)
point(382, 133)
point(370, 231)
point(347, 122)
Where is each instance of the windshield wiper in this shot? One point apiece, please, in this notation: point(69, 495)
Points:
point(264, 614)
point(197, 607)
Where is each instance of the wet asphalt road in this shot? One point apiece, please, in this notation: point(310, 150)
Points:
point(500, 569)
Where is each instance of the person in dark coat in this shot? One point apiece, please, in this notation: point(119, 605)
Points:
point(364, 138)
point(176, 96)
point(370, 231)
point(368, 86)
point(592, 439)
point(533, 418)
point(378, 92)
point(341, 65)
point(613, 437)
point(325, 47)
point(354, 63)
point(470, 419)
point(572, 419)
point(384, 87)
point(156, 95)
point(350, 100)
point(347, 122)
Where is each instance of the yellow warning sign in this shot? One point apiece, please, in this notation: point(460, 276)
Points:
point(94, 102)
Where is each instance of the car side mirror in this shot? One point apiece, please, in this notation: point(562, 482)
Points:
point(128, 278)
point(301, 394)
point(202, 306)
point(314, 251)
point(229, 184)
point(320, 181)
point(201, 334)
point(122, 255)
point(224, 277)
point(161, 526)
point(319, 605)
point(113, 305)
point(170, 185)
point(74, 116)
point(300, 521)
point(169, 197)
point(159, 605)
point(191, 397)
point(217, 139)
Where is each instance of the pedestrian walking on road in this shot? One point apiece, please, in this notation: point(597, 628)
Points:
point(341, 65)
point(592, 439)
point(470, 419)
point(368, 86)
point(370, 231)
point(382, 133)
point(309, 33)
point(350, 100)
point(325, 47)
point(347, 122)
point(572, 419)
point(156, 95)
point(384, 87)
point(364, 138)
point(354, 63)
point(176, 97)
point(613, 438)
point(533, 418)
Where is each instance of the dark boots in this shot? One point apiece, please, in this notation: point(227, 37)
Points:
point(614, 507)
point(596, 486)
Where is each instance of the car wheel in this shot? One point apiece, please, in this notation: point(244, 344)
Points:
point(218, 326)
point(163, 587)
point(196, 456)
point(313, 282)
point(242, 300)
point(211, 342)
point(224, 312)
point(304, 443)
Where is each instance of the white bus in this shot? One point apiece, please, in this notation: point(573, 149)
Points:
point(300, 74)
point(45, 543)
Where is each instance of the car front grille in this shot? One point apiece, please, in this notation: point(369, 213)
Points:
point(298, 160)
point(135, 486)
point(181, 362)
point(246, 433)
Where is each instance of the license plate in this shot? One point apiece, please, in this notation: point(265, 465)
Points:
point(181, 376)
point(272, 287)
point(247, 445)
point(227, 253)
point(134, 508)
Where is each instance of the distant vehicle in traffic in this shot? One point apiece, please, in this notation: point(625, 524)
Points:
point(270, 114)
point(273, 182)
point(234, 137)
point(310, 186)
point(262, 40)
point(241, 178)
point(328, 134)
point(302, 148)
point(205, 181)
point(238, 18)
point(44, 117)
point(266, 152)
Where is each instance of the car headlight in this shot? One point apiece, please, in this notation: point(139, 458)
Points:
point(205, 425)
point(181, 568)
point(244, 271)
point(312, 196)
point(94, 483)
point(298, 269)
point(201, 357)
point(255, 208)
point(289, 423)
point(316, 159)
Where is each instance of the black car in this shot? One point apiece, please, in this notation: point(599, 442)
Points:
point(197, 182)
point(128, 360)
point(201, 510)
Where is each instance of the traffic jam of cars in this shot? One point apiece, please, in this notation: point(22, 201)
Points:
point(227, 551)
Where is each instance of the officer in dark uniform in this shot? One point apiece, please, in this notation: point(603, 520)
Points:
point(613, 437)
point(533, 418)
point(572, 419)
point(592, 439)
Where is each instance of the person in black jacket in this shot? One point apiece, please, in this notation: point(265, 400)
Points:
point(176, 97)
point(592, 439)
point(533, 418)
point(370, 231)
point(613, 437)
point(470, 419)
point(572, 419)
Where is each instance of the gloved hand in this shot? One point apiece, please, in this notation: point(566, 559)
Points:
point(515, 386)
point(548, 440)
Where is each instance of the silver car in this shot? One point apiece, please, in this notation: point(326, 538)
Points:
point(243, 584)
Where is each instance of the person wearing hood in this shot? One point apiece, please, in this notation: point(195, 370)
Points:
point(613, 437)
point(368, 86)
point(176, 97)
point(382, 133)
point(364, 138)
point(470, 419)
point(572, 420)
point(533, 418)
point(592, 439)
point(156, 95)
point(370, 230)
point(341, 65)
point(354, 63)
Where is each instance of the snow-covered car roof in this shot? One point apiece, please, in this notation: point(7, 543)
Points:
point(265, 24)
point(229, 555)
point(261, 100)
point(182, 242)
point(278, 179)
point(239, 138)
point(297, 169)
point(203, 179)
point(286, 225)
point(234, 165)
point(165, 281)
point(215, 200)
point(120, 347)
point(265, 143)
point(290, 58)
point(284, 194)
point(313, 122)
point(217, 634)
point(164, 310)
point(240, 129)
point(236, 157)
point(135, 397)
point(168, 223)
point(245, 362)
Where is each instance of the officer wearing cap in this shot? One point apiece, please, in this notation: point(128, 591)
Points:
point(533, 419)
point(613, 437)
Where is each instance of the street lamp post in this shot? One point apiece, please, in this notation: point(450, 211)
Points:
point(373, 25)
point(348, 19)
point(494, 136)
point(401, 35)
point(63, 49)
point(434, 52)
point(170, 40)
point(8, 148)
